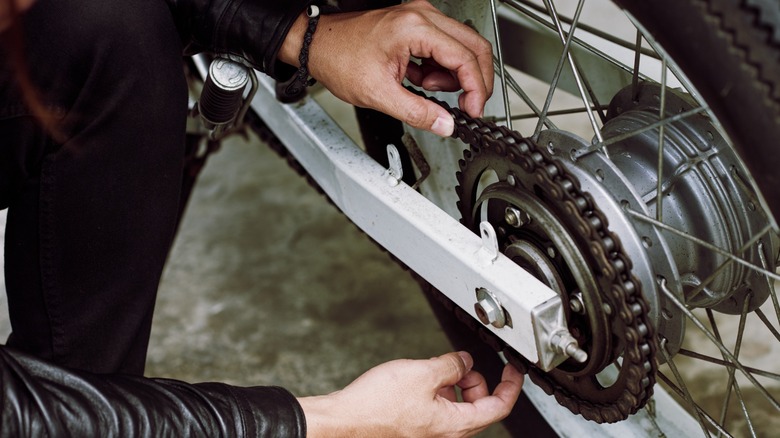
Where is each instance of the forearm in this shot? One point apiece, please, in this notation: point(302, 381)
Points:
point(251, 29)
point(41, 399)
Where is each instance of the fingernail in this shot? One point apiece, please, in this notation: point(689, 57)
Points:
point(467, 360)
point(444, 126)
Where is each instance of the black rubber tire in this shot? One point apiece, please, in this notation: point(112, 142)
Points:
point(730, 51)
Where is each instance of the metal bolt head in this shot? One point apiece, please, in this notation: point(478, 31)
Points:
point(516, 217)
point(576, 304)
point(486, 311)
point(489, 310)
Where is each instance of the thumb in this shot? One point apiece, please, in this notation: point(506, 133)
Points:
point(449, 369)
point(420, 113)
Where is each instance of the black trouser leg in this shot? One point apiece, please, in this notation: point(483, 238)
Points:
point(91, 218)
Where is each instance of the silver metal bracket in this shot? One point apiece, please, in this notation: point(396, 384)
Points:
point(395, 171)
point(554, 342)
point(489, 250)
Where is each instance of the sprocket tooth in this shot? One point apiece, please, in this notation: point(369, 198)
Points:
point(591, 413)
point(626, 407)
point(611, 414)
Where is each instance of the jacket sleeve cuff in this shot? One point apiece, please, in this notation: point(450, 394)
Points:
point(255, 30)
point(270, 411)
point(251, 29)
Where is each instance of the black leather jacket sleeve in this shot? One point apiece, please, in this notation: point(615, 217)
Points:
point(251, 29)
point(39, 399)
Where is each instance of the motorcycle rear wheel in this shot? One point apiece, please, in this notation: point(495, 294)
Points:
point(725, 57)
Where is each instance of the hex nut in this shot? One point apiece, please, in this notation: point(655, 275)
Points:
point(489, 310)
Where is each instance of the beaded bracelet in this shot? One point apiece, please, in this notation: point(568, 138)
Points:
point(302, 78)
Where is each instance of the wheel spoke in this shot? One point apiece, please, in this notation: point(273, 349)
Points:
point(618, 138)
point(732, 383)
point(772, 291)
point(698, 409)
point(696, 240)
point(726, 364)
point(502, 69)
point(521, 6)
point(575, 71)
point(637, 59)
point(659, 203)
point(726, 353)
point(559, 69)
point(515, 86)
point(597, 106)
point(682, 387)
point(768, 324)
point(695, 292)
point(560, 112)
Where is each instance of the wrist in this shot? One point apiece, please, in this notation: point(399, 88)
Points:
point(322, 418)
point(331, 416)
point(291, 47)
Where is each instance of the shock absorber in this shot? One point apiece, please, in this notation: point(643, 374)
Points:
point(222, 104)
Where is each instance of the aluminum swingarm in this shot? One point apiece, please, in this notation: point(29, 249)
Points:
point(468, 269)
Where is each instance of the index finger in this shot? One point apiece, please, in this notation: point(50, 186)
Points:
point(469, 37)
point(497, 406)
point(451, 54)
point(475, 42)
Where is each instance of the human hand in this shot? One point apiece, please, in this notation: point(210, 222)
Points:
point(414, 398)
point(363, 57)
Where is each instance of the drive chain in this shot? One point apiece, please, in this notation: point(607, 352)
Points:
point(638, 358)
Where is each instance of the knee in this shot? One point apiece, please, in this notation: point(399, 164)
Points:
point(75, 44)
point(133, 34)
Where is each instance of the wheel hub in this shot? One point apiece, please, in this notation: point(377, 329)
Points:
point(704, 194)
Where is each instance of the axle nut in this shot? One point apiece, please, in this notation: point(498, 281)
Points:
point(489, 310)
point(516, 217)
